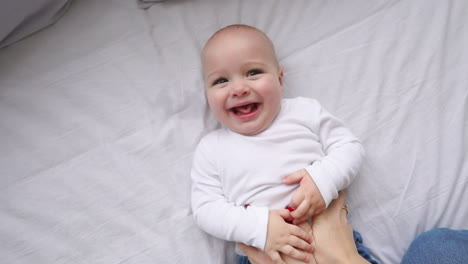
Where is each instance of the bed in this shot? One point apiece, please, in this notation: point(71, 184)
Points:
point(100, 114)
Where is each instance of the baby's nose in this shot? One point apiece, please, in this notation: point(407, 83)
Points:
point(240, 89)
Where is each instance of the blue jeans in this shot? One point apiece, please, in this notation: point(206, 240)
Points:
point(362, 250)
point(438, 246)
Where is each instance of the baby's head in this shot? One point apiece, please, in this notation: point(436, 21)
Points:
point(243, 81)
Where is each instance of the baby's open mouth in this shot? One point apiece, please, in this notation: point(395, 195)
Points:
point(245, 109)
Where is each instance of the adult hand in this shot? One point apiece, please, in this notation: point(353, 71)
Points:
point(256, 256)
point(333, 239)
point(333, 235)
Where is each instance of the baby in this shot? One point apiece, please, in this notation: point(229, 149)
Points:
point(276, 162)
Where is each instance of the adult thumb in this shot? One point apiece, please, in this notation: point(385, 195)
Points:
point(255, 255)
point(295, 177)
point(249, 251)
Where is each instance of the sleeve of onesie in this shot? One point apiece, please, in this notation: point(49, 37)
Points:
point(213, 213)
point(343, 153)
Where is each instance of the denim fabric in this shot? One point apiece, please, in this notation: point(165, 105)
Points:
point(243, 260)
point(363, 251)
point(438, 246)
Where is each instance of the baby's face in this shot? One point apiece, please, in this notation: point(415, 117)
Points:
point(243, 81)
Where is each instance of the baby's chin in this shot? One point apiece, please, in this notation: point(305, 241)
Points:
point(251, 128)
point(248, 130)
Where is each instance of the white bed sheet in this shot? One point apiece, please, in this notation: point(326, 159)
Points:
point(100, 114)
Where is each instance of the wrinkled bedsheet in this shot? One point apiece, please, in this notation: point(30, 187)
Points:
point(100, 114)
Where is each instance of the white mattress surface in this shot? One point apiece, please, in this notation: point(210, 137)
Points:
point(100, 114)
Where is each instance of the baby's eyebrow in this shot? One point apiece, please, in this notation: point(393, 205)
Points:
point(255, 64)
point(213, 73)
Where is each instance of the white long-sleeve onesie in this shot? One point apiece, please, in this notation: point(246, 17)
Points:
point(231, 170)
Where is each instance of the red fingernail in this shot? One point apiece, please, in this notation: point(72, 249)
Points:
point(290, 208)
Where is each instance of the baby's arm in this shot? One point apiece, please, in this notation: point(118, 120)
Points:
point(343, 153)
point(214, 213)
point(320, 182)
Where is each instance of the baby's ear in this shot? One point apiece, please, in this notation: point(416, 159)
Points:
point(280, 75)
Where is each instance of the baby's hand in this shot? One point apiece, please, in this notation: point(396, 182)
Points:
point(307, 201)
point(286, 238)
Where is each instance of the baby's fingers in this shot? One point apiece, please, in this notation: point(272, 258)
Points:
point(303, 210)
point(275, 256)
point(294, 253)
point(301, 244)
point(298, 232)
point(303, 217)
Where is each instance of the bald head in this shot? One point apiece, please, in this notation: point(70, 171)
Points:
point(241, 31)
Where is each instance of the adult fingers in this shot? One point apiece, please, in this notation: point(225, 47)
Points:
point(251, 252)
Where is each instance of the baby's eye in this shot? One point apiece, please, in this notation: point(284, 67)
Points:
point(253, 72)
point(219, 81)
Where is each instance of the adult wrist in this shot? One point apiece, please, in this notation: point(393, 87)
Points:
point(357, 259)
